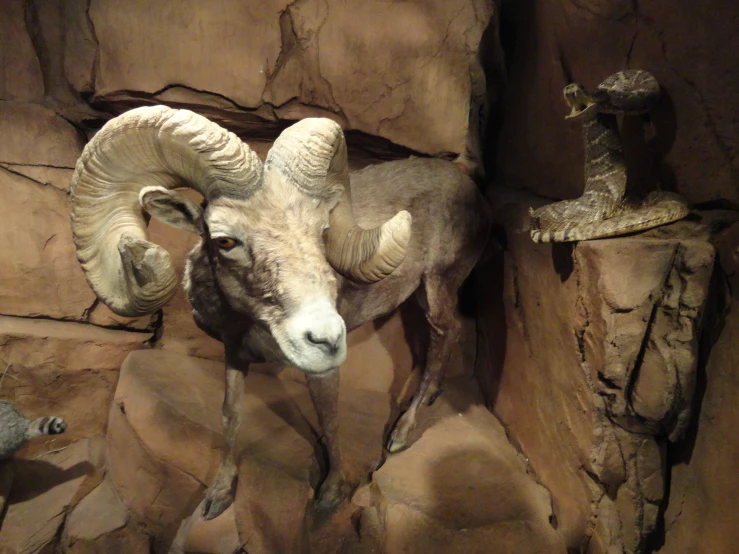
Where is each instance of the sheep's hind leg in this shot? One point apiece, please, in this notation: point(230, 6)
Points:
point(324, 391)
point(219, 495)
point(446, 327)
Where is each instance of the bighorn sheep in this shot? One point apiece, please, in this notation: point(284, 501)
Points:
point(282, 269)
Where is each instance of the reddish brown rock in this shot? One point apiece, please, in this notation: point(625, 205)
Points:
point(45, 488)
point(606, 347)
point(64, 369)
point(20, 70)
point(100, 524)
point(37, 136)
point(164, 446)
point(460, 488)
point(59, 178)
point(159, 457)
point(683, 43)
point(427, 54)
point(198, 536)
point(700, 516)
point(42, 275)
point(80, 46)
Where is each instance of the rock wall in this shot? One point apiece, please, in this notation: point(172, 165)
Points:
point(699, 516)
point(603, 351)
point(612, 368)
point(254, 64)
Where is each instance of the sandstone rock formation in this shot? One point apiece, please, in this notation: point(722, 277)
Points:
point(101, 524)
point(305, 58)
point(461, 484)
point(63, 368)
point(37, 156)
point(20, 71)
point(461, 488)
point(683, 44)
point(700, 514)
point(602, 338)
point(47, 487)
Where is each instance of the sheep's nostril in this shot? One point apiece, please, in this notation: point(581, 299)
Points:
point(329, 343)
point(310, 337)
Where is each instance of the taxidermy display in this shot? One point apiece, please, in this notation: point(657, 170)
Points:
point(293, 252)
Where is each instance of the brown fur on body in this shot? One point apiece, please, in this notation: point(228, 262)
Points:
point(451, 222)
point(239, 301)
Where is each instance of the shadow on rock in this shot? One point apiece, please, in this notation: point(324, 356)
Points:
point(35, 477)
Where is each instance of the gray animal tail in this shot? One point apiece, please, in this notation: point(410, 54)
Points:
point(49, 425)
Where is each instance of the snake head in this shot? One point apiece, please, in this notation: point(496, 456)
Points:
point(579, 101)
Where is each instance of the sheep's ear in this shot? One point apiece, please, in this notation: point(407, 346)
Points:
point(172, 208)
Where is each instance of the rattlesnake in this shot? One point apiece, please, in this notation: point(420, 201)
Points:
point(604, 210)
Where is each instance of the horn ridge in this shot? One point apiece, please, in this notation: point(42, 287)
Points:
point(312, 154)
point(147, 146)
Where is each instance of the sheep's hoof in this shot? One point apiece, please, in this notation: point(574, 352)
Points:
point(331, 493)
point(216, 502)
point(397, 442)
point(431, 395)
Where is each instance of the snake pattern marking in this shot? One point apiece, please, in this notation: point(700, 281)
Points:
point(604, 209)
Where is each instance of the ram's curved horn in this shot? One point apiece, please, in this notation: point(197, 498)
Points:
point(312, 155)
point(150, 146)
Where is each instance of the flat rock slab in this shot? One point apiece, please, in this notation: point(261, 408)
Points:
point(308, 59)
point(100, 524)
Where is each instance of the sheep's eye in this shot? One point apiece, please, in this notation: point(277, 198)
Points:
point(226, 243)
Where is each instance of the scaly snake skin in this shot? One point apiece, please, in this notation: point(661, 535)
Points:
point(604, 210)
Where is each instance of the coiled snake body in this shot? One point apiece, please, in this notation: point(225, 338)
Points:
point(604, 210)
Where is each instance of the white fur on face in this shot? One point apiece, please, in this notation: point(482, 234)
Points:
point(314, 338)
point(279, 274)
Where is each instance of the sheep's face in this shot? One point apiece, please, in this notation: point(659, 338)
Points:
point(269, 262)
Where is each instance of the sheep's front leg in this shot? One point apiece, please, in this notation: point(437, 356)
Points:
point(446, 327)
point(324, 391)
point(219, 495)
